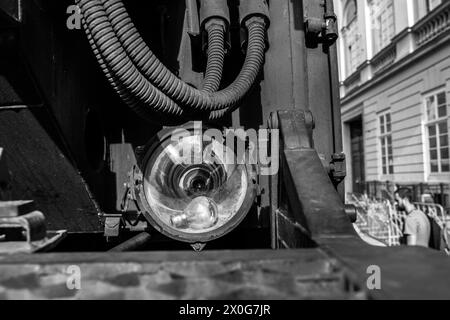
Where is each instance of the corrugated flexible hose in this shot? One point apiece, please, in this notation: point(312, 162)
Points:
point(213, 75)
point(146, 84)
point(216, 58)
point(167, 82)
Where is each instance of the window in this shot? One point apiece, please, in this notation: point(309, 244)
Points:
point(423, 7)
point(437, 129)
point(382, 20)
point(352, 38)
point(432, 4)
point(387, 156)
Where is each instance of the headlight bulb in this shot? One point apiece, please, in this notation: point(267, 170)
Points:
point(200, 214)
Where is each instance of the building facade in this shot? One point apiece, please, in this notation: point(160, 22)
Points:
point(395, 91)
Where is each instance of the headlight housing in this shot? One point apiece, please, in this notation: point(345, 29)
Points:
point(190, 190)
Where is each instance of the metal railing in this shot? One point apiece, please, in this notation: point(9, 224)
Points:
point(379, 220)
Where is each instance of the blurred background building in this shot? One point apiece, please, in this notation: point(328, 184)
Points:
point(395, 92)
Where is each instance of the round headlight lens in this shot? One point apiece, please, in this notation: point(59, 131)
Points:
point(195, 201)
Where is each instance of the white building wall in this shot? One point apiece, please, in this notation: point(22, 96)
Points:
point(402, 94)
point(370, 90)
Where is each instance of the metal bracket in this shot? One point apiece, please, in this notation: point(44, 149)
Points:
point(322, 28)
point(32, 223)
point(351, 212)
point(132, 191)
point(25, 231)
point(310, 194)
point(338, 168)
point(130, 218)
point(113, 223)
point(14, 209)
point(198, 247)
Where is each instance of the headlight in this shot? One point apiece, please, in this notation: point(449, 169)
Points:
point(190, 189)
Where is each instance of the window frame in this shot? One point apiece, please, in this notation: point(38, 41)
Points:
point(351, 39)
point(347, 21)
point(377, 35)
point(386, 149)
point(435, 123)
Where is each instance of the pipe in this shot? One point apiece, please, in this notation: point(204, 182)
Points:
point(133, 244)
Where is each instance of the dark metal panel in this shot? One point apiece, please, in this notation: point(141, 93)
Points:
point(285, 84)
point(285, 79)
point(300, 83)
point(320, 94)
point(321, 212)
point(41, 172)
point(323, 82)
point(12, 9)
point(278, 82)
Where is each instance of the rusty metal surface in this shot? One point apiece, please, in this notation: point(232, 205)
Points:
point(336, 271)
point(282, 275)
